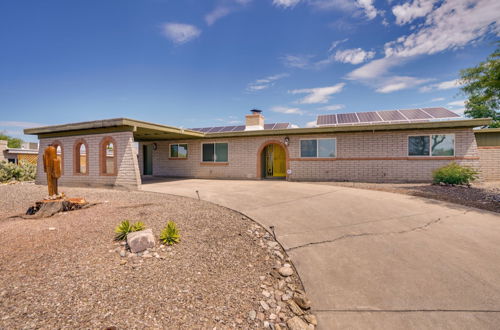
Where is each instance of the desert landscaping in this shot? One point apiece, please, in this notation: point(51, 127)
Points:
point(66, 271)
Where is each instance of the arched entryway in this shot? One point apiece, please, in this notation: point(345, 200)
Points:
point(273, 161)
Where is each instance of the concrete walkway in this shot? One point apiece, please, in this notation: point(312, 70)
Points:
point(371, 259)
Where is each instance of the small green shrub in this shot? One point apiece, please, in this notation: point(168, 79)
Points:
point(24, 171)
point(124, 228)
point(454, 174)
point(170, 234)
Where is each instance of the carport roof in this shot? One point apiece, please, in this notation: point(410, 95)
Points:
point(144, 131)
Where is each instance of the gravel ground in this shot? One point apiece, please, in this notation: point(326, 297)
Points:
point(68, 278)
point(484, 195)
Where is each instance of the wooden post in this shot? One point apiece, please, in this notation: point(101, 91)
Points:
point(51, 166)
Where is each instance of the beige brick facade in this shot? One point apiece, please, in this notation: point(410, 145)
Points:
point(127, 175)
point(364, 156)
point(490, 162)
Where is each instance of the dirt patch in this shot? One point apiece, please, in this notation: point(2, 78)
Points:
point(484, 196)
point(63, 271)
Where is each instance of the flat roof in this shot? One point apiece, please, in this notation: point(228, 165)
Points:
point(144, 131)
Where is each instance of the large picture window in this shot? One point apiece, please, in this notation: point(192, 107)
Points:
point(215, 152)
point(431, 145)
point(179, 150)
point(318, 148)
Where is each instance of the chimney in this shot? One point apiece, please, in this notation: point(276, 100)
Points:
point(255, 121)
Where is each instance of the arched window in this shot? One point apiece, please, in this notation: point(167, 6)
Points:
point(81, 159)
point(60, 153)
point(108, 156)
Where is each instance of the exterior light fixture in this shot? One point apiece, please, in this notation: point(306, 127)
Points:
point(287, 141)
point(155, 146)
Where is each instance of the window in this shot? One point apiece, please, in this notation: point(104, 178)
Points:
point(59, 153)
point(178, 151)
point(108, 156)
point(318, 148)
point(431, 145)
point(214, 152)
point(81, 159)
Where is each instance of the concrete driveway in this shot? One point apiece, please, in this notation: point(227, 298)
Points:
point(371, 259)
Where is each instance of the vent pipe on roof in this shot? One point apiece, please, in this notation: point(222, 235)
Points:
point(255, 121)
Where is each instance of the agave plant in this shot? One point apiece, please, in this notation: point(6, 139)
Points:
point(138, 226)
point(170, 234)
point(122, 230)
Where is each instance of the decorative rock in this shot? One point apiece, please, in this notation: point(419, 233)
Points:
point(123, 262)
point(302, 301)
point(252, 314)
point(285, 271)
point(266, 324)
point(261, 316)
point(285, 297)
point(147, 256)
point(278, 253)
point(132, 255)
point(266, 294)
point(140, 240)
point(123, 253)
point(277, 327)
point(272, 316)
point(264, 305)
point(262, 278)
point(272, 244)
point(311, 319)
point(295, 308)
point(296, 323)
point(52, 228)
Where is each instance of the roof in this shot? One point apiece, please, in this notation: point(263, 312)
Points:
point(144, 131)
point(487, 130)
point(387, 116)
point(22, 151)
point(217, 129)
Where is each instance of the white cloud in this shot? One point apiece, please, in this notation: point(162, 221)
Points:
point(460, 103)
point(297, 61)
point(442, 86)
point(224, 8)
point(180, 33)
point(336, 43)
point(265, 83)
point(353, 56)
point(287, 110)
point(311, 124)
point(409, 11)
point(285, 3)
point(437, 99)
point(369, 9)
point(397, 83)
point(333, 107)
point(373, 69)
point(318, 95)
point(346, 5)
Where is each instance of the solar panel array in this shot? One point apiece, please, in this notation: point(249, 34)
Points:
point(388, 116)
point(240, 128)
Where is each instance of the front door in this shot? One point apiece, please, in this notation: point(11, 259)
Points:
point(275, 161)
point(147, 154)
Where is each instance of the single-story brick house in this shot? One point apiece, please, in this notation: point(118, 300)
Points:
point(383, 146)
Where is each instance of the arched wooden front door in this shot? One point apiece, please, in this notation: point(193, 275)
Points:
point(274, 158)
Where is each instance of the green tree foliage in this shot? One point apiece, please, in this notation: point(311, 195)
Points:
point(11, 142)
point(481, 84)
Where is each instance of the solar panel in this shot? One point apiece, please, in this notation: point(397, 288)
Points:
point(368, 117)
point(269, 126)
point(227, 128)
point(205, 129)
point(327, 120)
point(216, 129)
point(391, 115)
point(195, 129)
point(238, 128)
point(347, 118)
point(440, 113)
point(415, 114)
point(281, 126)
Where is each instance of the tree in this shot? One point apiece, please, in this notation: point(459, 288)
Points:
point(11, 141)
point(481, 84)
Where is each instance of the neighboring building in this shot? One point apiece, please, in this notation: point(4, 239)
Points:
point(383, 146)
point(28, 152)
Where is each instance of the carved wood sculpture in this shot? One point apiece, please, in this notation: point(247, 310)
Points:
point(51, 166)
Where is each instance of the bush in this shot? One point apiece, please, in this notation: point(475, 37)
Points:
point(24, 171)
point(124, 228)
point(170, 234)
point(454, 174)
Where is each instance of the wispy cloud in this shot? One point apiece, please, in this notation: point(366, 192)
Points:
point(460, 103)
point(297, 61)
point(441, 86)
point(22, 124)
point(287, 110)
point(333, 107)
point(409, 11)
point(224, 8)
point(397, 83)
point(265, 83)
point(353, 56)
point(319, 94)
point(311, 123)
point(438, 99)
point(180, 33)
point(285, 3)
point(336, 43)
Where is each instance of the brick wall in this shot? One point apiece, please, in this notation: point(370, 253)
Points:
point(375, 157)
point(127, 177)
point(490, 162)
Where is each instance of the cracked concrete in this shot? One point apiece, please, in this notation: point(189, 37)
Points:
point(396, 261)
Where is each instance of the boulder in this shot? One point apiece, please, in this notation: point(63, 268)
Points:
point(139, 241)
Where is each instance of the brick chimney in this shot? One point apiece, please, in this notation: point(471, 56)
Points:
point(255, 121)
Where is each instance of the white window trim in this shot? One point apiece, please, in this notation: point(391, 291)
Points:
point(177, 144)
point(215, 161)
point(317, 147)
point(430, 146)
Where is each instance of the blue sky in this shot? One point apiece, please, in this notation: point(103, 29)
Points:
point(195, 63)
